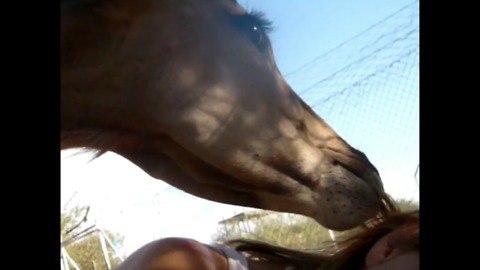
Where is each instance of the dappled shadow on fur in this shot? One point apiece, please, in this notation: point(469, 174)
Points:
point(189, 91)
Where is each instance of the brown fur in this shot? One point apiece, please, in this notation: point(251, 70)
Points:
point(189, 91)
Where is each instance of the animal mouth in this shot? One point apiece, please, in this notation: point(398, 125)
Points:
point(372, 178)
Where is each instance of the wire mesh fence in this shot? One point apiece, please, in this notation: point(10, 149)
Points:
point(367, 89)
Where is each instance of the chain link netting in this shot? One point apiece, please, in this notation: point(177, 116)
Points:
point(367, 89)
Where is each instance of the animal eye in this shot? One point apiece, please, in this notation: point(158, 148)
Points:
point(257, 35)
point(255, 26)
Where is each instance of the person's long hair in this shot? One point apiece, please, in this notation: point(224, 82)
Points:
point(344, 254)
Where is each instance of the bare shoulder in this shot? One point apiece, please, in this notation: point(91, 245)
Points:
point(174, 254)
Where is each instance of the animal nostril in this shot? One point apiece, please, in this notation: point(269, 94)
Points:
point(301, 126)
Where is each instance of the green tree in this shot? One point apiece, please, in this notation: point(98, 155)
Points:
point(407, 205)
point(87, 252)
point(286, 230)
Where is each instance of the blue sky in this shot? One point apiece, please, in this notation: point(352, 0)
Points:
point(306, 29)
point(380, 116)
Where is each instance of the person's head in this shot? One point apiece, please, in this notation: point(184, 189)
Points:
point(397, 249)
point(390, 242)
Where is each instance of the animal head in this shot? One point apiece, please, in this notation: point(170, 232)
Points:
point(189, 91)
